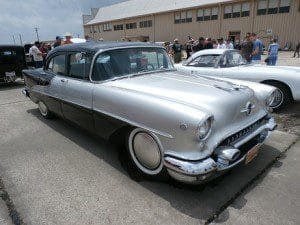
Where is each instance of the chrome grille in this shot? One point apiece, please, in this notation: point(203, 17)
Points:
point(244, 132)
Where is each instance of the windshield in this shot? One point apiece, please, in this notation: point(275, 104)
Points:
point(130, 61)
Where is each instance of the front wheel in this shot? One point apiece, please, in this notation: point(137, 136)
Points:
point(145, 158)
point(282, 96)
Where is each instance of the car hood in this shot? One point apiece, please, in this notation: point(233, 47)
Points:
point(222, 99)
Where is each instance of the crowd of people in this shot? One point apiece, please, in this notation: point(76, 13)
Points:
point(251, 48)
point(40, 50)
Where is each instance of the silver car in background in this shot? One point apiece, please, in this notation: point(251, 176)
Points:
point(195, 128)
point(225, 63)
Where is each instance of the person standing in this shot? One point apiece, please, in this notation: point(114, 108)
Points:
point(221, 44)
point(57, 42)
point(68, 37)
point(200, 46)
point(209, 44)
point(88, 38)
point(229, 44)
point(273, 52)
point(257, 49)
point(189, 45)
point(44, 50)
point(214, 43)
point(177, 48)
point(247, 47)
point(297, 49)
point(37, 55)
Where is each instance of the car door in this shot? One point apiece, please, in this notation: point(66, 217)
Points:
point(205, 65)
point(54, 92)
point(78, 90)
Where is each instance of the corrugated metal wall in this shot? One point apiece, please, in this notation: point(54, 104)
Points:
point(285, 26)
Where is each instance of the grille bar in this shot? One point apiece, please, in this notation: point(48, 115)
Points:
point(242, 133)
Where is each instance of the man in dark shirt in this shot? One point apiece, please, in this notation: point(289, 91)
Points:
point(177, 48)
point(57, 41)
point(208, 44)
point(247, 48)
point(200, 46)
point(189, 46)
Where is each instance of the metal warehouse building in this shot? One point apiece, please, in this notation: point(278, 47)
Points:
point(164, 20)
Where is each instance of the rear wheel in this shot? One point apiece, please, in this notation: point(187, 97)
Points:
point(44, 111)
point(283, 95)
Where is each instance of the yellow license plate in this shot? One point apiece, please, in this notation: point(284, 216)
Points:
point(252, 153)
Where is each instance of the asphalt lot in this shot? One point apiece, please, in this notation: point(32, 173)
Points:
point(55, 173)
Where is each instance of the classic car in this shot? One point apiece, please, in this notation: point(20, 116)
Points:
point(193, 128)
point(230, 64)
point(12, 62)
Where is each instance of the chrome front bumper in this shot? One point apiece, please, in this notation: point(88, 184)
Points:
point(199, 171)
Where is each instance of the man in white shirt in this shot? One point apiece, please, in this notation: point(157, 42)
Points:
point(221, 44)
point(37, 55)
point(229, 44)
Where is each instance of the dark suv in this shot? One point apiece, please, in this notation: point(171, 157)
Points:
point(12, 62)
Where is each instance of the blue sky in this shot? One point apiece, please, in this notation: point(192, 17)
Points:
point(54, 17)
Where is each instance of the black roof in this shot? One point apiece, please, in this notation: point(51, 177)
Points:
point(94, 46)
point(11, 46)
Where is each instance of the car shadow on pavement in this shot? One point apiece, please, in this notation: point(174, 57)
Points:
point(201, 202)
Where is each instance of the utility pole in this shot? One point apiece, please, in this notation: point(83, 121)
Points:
point(20, 36)
point(14, 39)
point(37, 33)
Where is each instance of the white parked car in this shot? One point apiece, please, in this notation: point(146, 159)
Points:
point(224, 63)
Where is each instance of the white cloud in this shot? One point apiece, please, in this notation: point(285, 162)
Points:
point(53, 18)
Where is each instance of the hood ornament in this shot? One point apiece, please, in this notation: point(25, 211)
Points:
point(248, 108)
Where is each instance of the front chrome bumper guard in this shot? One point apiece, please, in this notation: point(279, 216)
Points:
point(207, 166)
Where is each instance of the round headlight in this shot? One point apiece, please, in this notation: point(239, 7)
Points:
point(203, 129)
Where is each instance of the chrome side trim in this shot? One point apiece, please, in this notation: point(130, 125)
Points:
point(164, 134)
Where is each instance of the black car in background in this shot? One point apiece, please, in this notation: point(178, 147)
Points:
point(12, 62)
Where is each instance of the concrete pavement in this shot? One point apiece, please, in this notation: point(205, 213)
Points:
point(273, 199)
point(58, 174)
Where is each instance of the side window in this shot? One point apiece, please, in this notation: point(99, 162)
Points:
point(50, 65)
point(58, 65)
point(102, 68)
point(79, 65)
point(205, 61)
point(231, 59)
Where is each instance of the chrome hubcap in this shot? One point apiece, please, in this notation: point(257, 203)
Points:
point(278, 99)
point(43, 108)
point(146, 150)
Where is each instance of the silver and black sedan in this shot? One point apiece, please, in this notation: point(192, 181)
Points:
point(194, 128)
